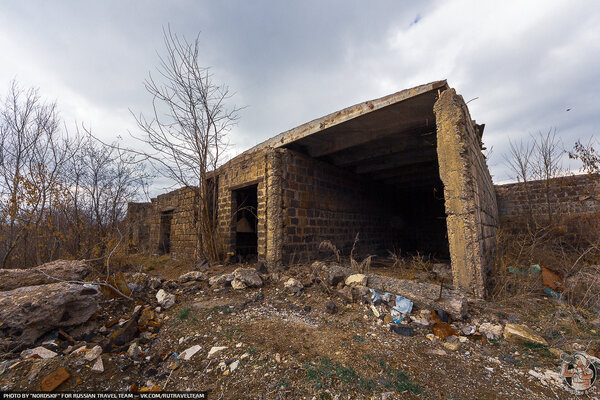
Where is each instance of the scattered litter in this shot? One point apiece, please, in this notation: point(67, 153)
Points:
point(375, 311)
point(378, 297)
point(215, 350)
point(534, 269)
point(552, 293)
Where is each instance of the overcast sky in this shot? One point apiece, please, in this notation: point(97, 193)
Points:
point(527, 62)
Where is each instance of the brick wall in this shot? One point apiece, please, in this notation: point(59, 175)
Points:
point(472, 214)
point(324, 202)
point(572, 195)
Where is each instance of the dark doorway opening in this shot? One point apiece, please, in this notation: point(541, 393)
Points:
point(420, 221)
point(164, 243)
point(245, 222)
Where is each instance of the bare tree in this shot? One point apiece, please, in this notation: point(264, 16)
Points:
point(520, 162)
point(588, 155)
point(548, 164)
point(187, 130)
point(31, 159)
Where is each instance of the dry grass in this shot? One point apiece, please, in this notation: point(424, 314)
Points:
point(569, 246)
point(327, 245)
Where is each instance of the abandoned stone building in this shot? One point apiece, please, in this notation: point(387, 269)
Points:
point(405, 172)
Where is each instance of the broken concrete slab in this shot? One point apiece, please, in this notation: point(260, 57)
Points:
point(52, 272)
point(28, 312)
point(423, 295)
point(38, 352)
point(521, 333)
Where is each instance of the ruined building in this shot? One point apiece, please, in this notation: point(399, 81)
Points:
point(405, 171)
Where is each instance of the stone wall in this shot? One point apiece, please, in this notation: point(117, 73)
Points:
point(571, 195)
point(138, 223)
point(470, 200)
point(181, 205)
point(324, 202)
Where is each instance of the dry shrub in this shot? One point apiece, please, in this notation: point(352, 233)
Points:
point(567, 246)
point(327, 245)
point(583, 288)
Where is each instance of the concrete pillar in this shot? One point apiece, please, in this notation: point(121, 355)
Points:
point(470, 201)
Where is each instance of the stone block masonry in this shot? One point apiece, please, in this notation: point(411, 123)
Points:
point(323, 202)
point(173, 223)
point(570, 195)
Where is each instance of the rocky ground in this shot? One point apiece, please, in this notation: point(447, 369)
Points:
point(306, 332)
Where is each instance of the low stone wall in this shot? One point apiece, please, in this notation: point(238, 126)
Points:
point(571, 195)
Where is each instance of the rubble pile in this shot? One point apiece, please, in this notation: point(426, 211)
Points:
point(59, 334)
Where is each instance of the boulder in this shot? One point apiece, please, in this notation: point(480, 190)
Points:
point(336, 275)
point(356, 280)
point(28, 312)
point(293, 285)
point(165, 300)
point(221, 280)
point(522, 334)
point(346, 294)
point(248, 276)
point(61, 270)
point(193, 276)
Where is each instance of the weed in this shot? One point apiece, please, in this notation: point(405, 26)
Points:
point(358, 338)
point(252, 351)
point(183, 314)
point(536, 349)
point(400, 382)
point(326, 374)
point(230, 332)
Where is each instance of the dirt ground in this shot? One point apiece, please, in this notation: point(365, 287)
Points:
point(288, 346)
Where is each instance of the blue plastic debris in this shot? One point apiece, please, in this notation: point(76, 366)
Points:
point(533, 269)
point(379, 297)
point(552, 293)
